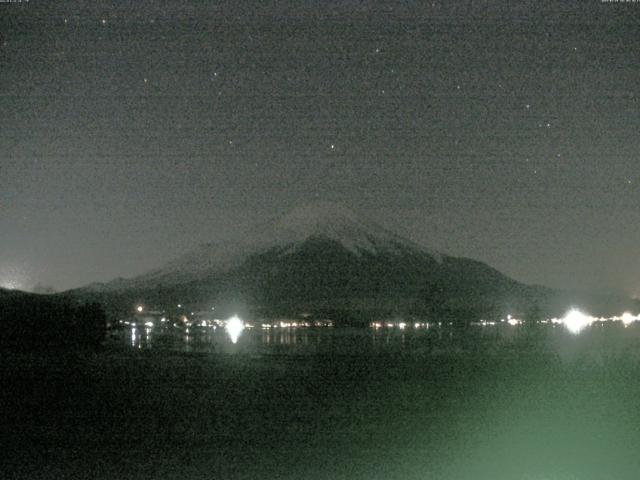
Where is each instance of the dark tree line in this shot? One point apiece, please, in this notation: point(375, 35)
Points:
point(35, 323)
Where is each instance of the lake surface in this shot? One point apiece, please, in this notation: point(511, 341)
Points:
point(321, 340)
point(328, 403)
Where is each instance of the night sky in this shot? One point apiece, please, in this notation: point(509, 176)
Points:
point(131, 132)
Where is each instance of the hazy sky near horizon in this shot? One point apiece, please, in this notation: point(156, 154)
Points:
point(505, 131)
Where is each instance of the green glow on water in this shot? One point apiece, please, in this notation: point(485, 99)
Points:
point(541, 405)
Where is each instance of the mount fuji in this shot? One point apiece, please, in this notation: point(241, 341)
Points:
point(287, 234)
point(324, 258)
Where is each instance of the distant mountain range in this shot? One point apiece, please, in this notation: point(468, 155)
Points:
point(325, 260)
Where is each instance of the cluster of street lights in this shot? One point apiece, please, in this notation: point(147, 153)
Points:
point(234, 326)
point(574, 321)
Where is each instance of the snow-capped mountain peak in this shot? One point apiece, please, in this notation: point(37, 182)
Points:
point(325, 220)
point(337, 223)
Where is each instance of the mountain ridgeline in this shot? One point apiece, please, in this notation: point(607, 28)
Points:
point(325, 260)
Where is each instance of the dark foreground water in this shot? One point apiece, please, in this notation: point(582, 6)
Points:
point(493, 403)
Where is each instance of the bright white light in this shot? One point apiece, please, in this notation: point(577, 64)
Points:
point(148, 324)
point(234, 327)
point(402, 325)
point(628, 318)
point(139, 308)
point(576, 321)
point(512, 321)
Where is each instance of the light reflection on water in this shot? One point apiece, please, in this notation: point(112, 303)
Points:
point(353, 341)
point(224, 340)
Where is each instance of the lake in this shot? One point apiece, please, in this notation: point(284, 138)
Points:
point(501, 402)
